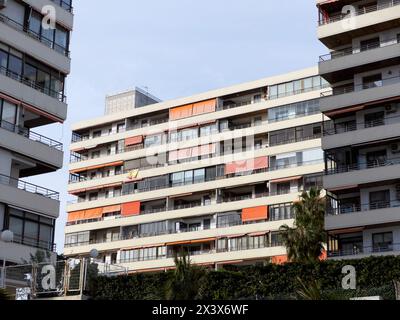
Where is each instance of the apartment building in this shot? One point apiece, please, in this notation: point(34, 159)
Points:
point(34, 63)
point(362, 138)
point(214, 174)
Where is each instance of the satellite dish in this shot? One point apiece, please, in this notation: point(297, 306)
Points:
point(94, 253)
point(7, 236)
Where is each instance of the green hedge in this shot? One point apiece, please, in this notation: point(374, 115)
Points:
point(375, 276)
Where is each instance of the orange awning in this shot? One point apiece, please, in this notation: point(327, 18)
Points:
point(130, 209)
point(105, 165)
point(204, 107)
point(181, 112)
point(255, 214)
point(235, 236)
point(133, 141)
point(178, 243)
point(246, 165)
point(93, 213)
point(76, 216)
point(286, 179)
point(111, 209)
point(203, 240)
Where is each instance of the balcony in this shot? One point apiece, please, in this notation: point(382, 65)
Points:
point(341, 176)
point(291, 167)
point(31, 144)
point(353, 133)
point(343, 64)
point(29, 196)
point(64, 10)
point(48, 100)
point(349, 216)
point(339, 28)
point(366, 251)
point(354, 95)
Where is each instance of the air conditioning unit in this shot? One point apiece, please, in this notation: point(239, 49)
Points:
point(3, 4)
point(391, 108)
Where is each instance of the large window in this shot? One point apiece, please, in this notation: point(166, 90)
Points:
point(8, 115)
point(31, 229)
point(77, 239)
point(292, 111)
point(57, 39)
point(297, 134)
point(188, 177)
point(382, 241)
point(229, 219)
point(296, 87)
point(32, 72)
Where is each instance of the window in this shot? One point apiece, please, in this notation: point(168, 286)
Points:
point(382, 241)
point(369, 44)
point(15, 65)
point(296, 87)
point(177, 178)
point(8, 113)
point(31, 229)
point(374, 119)
point(96, 154)
point(121, 127)
point(379, 199)
point(229, 219)
point(372, 81)
point(283, 188)
point(97, 134)
point(281, 212)
point(93, 196)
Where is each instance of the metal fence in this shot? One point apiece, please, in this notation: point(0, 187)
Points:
point(54, 280)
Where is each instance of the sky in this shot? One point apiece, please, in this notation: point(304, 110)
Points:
point(175, 48)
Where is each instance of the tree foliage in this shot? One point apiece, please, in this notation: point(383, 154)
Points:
point(304, 242)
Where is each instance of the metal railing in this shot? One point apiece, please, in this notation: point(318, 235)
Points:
point(352, 125)
point(356, 50)
point(25, 132)
point(299, 91)
point(34, 242)
point(33, 84)
point(171, 255)
point(28, 187)
point(357, 88)
point(372, 8)
point(65, 5)
point(378, 163)
point(359, 250)
point(20, 27)
point(356, 207)
point(227, 176)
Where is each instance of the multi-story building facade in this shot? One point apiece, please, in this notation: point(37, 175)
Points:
point(214, 174)
point(34, 63)
point(362, 138)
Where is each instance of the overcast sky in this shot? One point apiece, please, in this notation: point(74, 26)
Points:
point(176, 48)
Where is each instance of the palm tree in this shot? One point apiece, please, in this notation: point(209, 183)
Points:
point(184, 283)
point(309, 291)
point(304, 242)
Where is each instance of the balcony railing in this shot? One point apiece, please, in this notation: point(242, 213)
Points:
point(64, 4)
point(356, 50)
point(20, 27)
point(171, 255)
point(356, 207)
point(357, 88)
point(25, 132)
point(36, 243)
point(33, 84)
point(227, 176)
point(363, 166)
point(373, 8)
point(350, 126)
point(360, 250)
point(22, 185)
